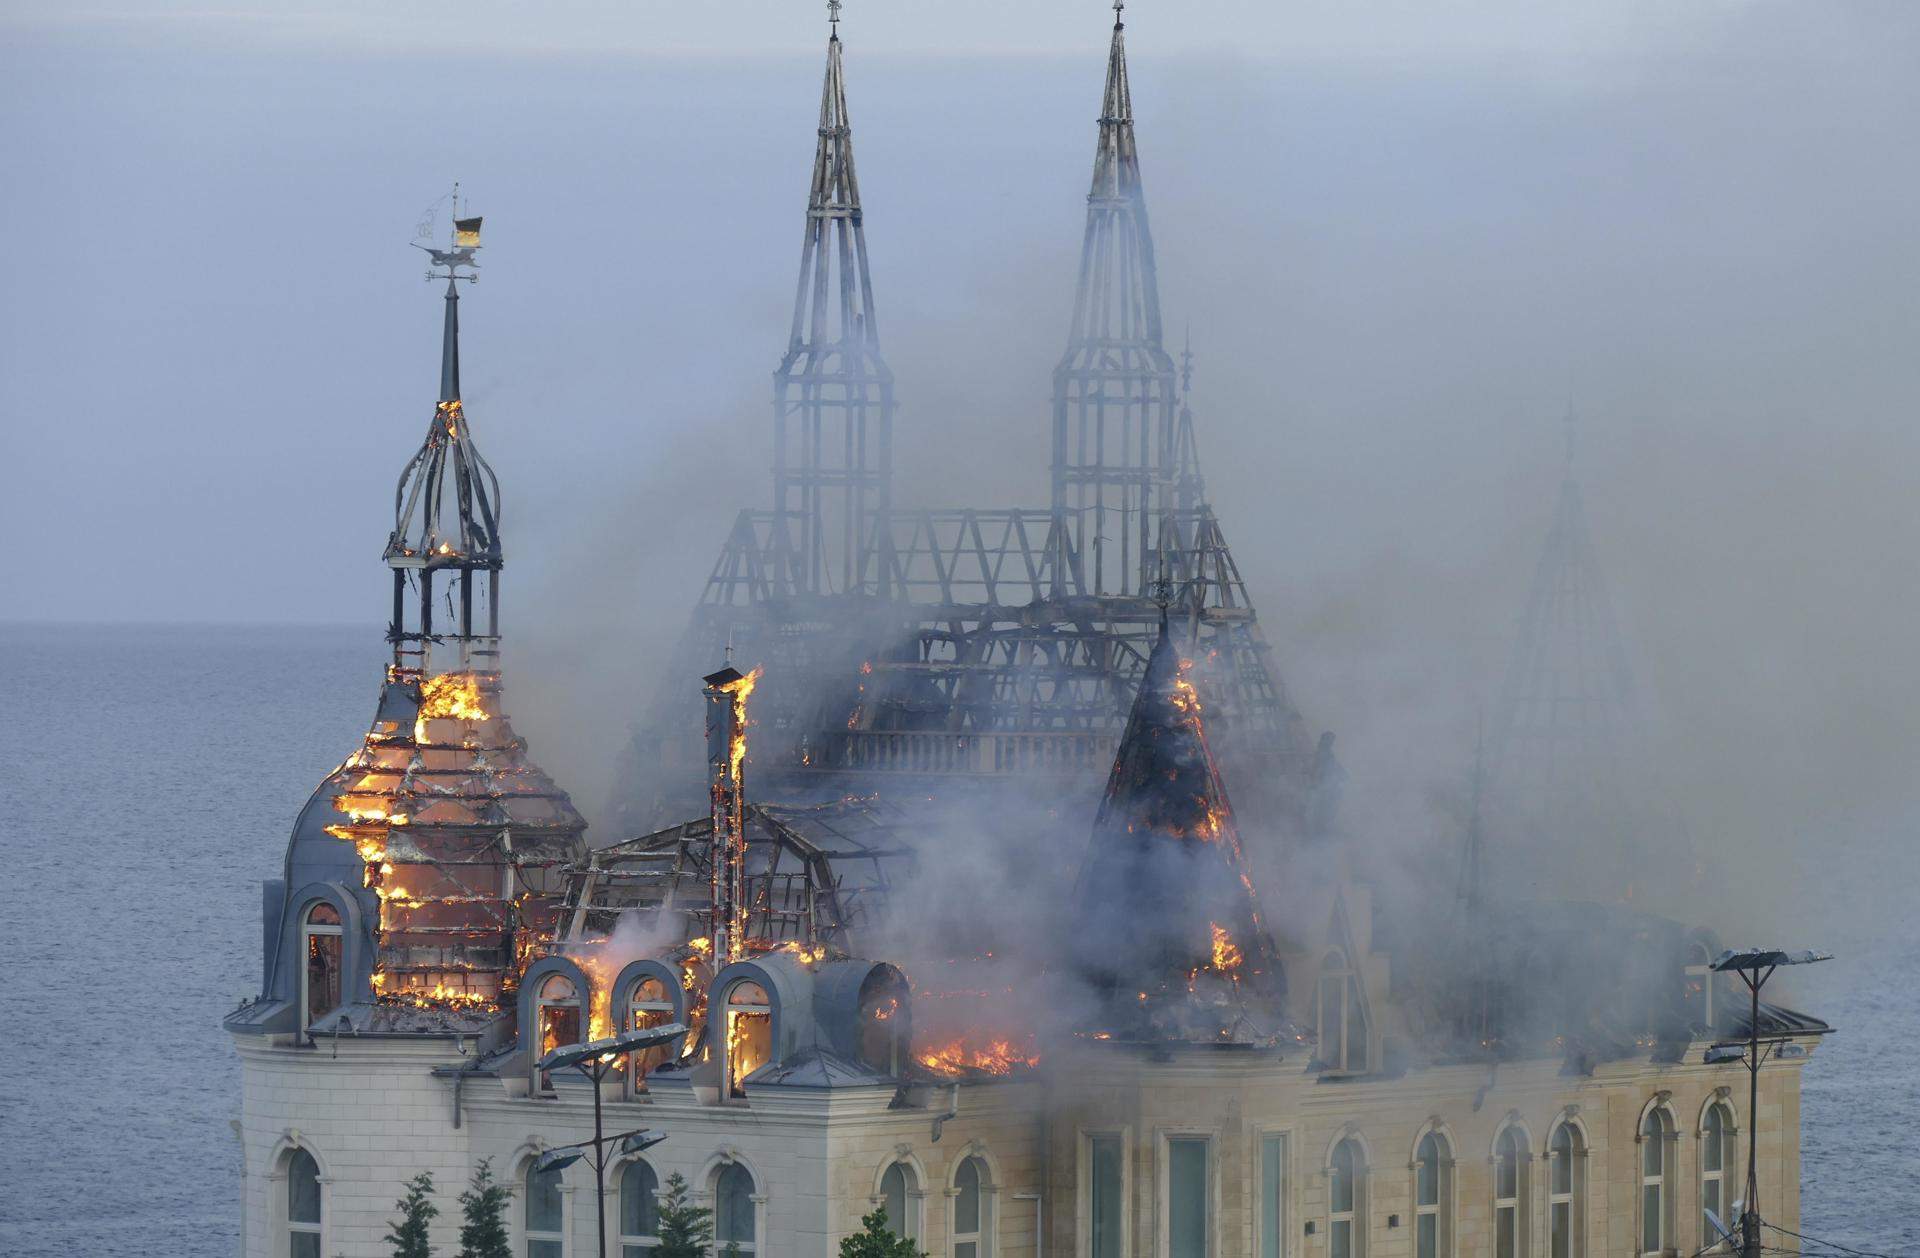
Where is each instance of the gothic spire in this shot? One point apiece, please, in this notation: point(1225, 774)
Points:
point(1114, 390)
point(833, 393)
point(447, 504)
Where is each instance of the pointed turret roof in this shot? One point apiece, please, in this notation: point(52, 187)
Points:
point(1167, 925)
point(447, 504)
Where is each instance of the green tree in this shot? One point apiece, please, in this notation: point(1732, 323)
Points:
point(686, 1231)
point(483, 1211)
point(408, 1233)
point(876, 1240)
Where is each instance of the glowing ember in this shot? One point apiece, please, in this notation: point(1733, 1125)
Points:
point(1226, 954)
point(996, 1057)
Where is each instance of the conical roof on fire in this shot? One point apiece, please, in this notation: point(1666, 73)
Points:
point(1164, 899)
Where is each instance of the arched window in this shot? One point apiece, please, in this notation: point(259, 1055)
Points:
point(639, 1210)
point(545, 1215)
point(1347, 1201)
point(303, 1205)
point(650, 1005)
point(884, 1021)
point(733, 1208)
point(1510, 1193)
point(1433, 1197)
point(556, 1012)
point(1716, 1149)
point(896, 1187)
point(1342, 1026)
point(1566, 1193)
point(1655, 1135)
point(972, 1211)
point(325, 945)
point(749, 1034)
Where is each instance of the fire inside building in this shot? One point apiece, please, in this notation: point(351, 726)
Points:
point(1232, 1040)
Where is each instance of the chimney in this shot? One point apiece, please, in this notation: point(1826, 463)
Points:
point(727, 692)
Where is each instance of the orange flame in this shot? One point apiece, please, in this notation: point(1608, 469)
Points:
point(1226, 953)
point(996, 1057)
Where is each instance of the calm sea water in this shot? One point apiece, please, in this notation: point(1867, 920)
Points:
point(148, 778)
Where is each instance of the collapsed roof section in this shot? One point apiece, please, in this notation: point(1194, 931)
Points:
point(1167, 921)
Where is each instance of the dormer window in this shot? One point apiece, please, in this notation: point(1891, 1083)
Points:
point(1342, 1025)
point(1700, 987)
point(884, 1024)
point(556, 1015)
point(651, 1005)
point(324, 942)
point(749, 1029)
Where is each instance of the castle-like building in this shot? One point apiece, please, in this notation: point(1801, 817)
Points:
point(1195, 1071)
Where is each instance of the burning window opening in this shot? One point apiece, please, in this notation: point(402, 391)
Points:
point(749, 1035)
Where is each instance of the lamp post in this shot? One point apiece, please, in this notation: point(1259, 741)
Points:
point(1754, 966)
point(595, 1059)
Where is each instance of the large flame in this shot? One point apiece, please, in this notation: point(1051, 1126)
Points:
point(995, 1057)
point(1226, 953)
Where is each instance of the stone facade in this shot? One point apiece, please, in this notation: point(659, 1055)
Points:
point(372, 1113)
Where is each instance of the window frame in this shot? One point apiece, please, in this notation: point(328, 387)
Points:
point(526, 1235)
point(1442, 1206)
point(1513, 1134)
point(289, 1226)
point(913, 1194)
point(1575, 1198)
point(1666, 1138)
point(1086, 1206)
point(1281, 1230)
point(755, 1201)
point(309, 931)
point(1710, 1241)
point(580, 1002)
point(726, 1009)
point(1356, 1217)
point(1210, 1198)
point(1337, 966)
point(623, 1239)
point(636, 1071)
point(988, 1224)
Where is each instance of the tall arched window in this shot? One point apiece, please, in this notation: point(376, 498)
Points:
point(1655, 1134)
point(556, 1012)
point(303, 1205)
point(325, 945)
point(1699, 990)
point(972, 1211)
point(897, 1188)
point(545, 1215)
point(733, 1209)
point(1716, 1149)
point(1432, 1197)
point(1510, 1193)
point(884, 1019)
point(650, 1005)
point(639, 1210)
point(1342, 1015)
point(1566, 1193)
point(1347, 1201)
point(749, 1034)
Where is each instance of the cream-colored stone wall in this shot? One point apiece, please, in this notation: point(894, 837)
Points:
point(373, 1115)
point(1233, 1103)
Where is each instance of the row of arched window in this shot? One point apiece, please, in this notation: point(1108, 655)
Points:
point(730, 1191)
point(1434, 1200)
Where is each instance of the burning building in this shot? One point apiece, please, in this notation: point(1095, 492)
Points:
point(1204, 1056)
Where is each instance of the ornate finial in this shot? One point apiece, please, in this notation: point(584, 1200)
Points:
point(1117, 6)
point(463, 242)
point(1186, 364)
point(833, 16)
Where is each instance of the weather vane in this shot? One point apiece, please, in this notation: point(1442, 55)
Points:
point(459, 253)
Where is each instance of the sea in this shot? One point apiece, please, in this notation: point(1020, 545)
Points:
point(148, 779)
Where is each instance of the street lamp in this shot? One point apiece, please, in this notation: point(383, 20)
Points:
point(1754, 966)
point(595, 1059)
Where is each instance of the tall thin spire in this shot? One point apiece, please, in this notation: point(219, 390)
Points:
point(1114, 390)
point(832, 393)
point(447, 505)
point(1574, 798)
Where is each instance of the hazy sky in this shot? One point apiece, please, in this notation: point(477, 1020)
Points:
point(1406, 236)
